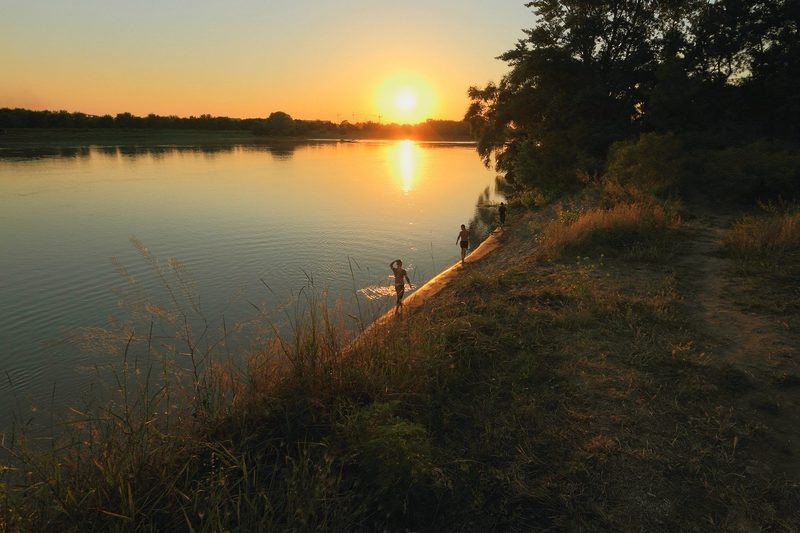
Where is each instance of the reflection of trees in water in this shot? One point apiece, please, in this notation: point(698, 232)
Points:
point(159, 151)
point(484, 219)
point(279, 151)
point(503, 187)
point(109, 151)
point(40, 152)
point(282, 152)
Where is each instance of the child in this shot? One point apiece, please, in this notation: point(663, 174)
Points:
point(400, 277)
point(463, 240)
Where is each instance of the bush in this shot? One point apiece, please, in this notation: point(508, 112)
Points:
point(763, 170)
point(653, 164)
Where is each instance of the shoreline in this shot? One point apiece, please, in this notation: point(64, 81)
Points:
point(74, 137)
point(429, 289)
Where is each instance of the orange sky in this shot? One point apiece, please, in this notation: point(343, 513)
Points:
point(344, 60)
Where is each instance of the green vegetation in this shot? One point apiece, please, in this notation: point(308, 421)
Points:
point(712, 79)
point(626, 360)
point(566, 384)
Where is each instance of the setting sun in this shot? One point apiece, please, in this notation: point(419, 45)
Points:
point(405, 98)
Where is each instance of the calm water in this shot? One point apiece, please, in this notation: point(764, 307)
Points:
point(87, 237)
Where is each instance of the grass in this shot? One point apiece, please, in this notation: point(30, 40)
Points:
point(766, 250)
point(536, 391)
point(774, 232)
point(627, 227)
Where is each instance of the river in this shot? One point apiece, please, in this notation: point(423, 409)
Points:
point(116, 238)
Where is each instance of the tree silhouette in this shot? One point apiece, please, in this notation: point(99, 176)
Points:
point(591, 73)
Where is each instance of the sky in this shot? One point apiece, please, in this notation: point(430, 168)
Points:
point(356, 60)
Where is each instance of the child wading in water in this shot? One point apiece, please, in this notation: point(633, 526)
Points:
point(400, 277)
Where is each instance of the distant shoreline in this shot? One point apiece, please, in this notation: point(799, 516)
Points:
point(22, 137)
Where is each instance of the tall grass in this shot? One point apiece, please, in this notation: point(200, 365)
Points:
point(776, 231)
point(190, 440)
point(564, 396)
point(621, 227)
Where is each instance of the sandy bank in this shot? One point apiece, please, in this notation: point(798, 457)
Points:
point(432, 286)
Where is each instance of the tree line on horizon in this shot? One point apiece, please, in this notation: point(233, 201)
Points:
point(695, 93)
point(277, 124)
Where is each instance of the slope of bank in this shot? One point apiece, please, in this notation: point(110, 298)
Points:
point(634, 382)
point(599, 369)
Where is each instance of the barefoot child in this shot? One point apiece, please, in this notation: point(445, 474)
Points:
point(400, 277)
point(463, 241)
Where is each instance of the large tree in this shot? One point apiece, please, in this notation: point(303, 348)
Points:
point(574, 87)
point(592, 72)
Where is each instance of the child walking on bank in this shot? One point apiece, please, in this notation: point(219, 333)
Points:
point(463, 241)
point(400, 277)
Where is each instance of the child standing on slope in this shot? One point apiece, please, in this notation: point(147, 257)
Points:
point(400, 277)
point(463, 241)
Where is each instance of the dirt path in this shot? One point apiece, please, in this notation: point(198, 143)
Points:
point(744, 340)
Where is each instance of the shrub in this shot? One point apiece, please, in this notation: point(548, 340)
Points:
point(654, 164)
point(762, 170)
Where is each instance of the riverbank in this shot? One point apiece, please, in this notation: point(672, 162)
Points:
point(589, 373)
point(431, 288)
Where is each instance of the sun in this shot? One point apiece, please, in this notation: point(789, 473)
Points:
point(405, 98)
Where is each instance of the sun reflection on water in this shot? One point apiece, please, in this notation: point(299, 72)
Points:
point(406, 164)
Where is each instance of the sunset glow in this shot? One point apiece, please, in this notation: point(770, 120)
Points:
point(376, 60)
point(406, 98)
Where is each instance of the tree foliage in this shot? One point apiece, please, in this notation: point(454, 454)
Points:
point(590, 73)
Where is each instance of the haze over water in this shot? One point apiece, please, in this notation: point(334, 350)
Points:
point(250, 225)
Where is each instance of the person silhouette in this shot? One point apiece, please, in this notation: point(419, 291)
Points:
point(463, 240)
point(400, 277)
point(502, 212)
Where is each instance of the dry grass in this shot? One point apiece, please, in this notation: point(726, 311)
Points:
point(770, 233)
point(529, 394)
point(618, 228)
